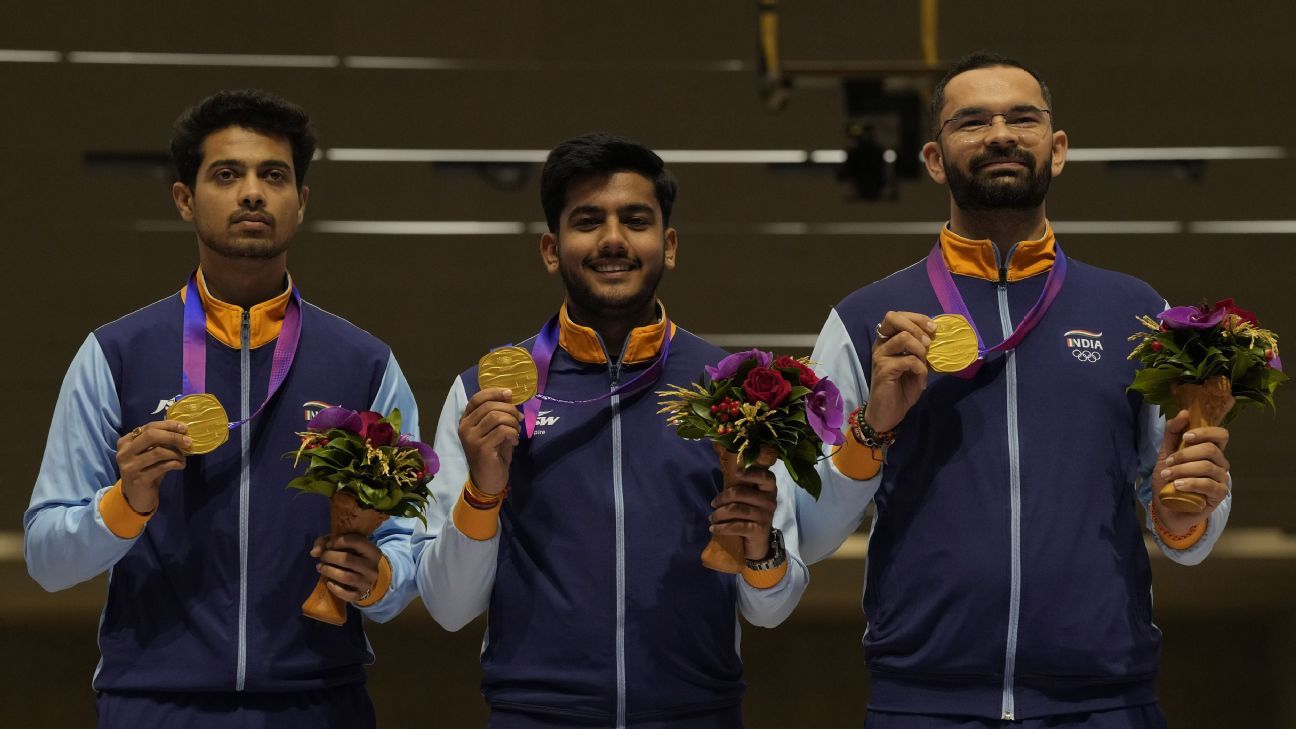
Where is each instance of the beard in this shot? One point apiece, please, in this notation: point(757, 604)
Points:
point(587, 299)
point(258, 249)
point(974, 192)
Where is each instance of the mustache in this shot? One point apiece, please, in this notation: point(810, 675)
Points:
point(255, 216)
point(1015, 154)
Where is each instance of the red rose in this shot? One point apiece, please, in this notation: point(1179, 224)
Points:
point(806, 375)
point(374, 430)
point(766, 385)
point(1229, 308)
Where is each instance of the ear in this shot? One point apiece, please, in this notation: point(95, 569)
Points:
point(1060, 146)
point(549, 252)
point(183, 198)
point(301, 203)
point(671, 242)
point(934, 159)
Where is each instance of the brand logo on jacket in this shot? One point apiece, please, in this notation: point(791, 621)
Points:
point(311, 408)
point(1085, 346)
point(543, 419)
point(163, 405)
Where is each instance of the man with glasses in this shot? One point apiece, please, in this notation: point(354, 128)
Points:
point(1007, 580)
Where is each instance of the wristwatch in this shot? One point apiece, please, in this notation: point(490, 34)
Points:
point(777, 555)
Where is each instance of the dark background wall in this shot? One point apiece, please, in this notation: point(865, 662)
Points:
point(84, 243)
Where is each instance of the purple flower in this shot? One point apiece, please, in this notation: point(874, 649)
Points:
point(1192, 317)
point(431, 464)
point(728, 367)
point(336, 417)
point(823, 408)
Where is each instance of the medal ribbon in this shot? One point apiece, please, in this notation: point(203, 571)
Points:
point(193, 376)
point(951, 302)
point(542, 351)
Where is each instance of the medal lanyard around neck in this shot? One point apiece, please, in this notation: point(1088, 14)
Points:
point(193, 375)
point(951, 302)
point(542, 351)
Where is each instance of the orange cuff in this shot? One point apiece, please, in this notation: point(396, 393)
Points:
point(380, 587)
point(1177, 541)
point(119, 517)
point(764, 579)
point(479, 524)
point(856, 460)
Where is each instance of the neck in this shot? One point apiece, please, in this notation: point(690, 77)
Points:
point(243, 282)
point(613, 326)
point(1005, 228)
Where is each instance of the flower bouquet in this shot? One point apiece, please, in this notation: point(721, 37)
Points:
point(1209, 360)
point(757, 409)
point(369, 470)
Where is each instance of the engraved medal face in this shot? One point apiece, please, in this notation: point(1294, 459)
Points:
point(511, 368)
point(207, 421)
point(954, 345)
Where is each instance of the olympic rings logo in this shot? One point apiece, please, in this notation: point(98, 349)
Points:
point(1086, 355)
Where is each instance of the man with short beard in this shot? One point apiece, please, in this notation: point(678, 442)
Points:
point(582, 538)
point(1007, 580)
point(209, 556)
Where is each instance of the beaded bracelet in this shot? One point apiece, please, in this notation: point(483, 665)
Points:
point(866, 435)
point(1160, 527)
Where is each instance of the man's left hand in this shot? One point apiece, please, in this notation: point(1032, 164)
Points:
point(350, 564)
point(1194, 462)
point(746, 510)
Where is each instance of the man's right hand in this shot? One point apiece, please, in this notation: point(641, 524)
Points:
point(489, 430)
point(899, 368)
point(145, 455)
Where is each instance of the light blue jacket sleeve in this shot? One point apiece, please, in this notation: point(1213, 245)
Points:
point(65, 539)
point(1151, 432)
point(770, 606)
point(393, 537)
point(827, 522)
point(456, 573)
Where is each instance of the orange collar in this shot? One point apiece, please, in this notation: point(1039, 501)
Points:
point(225, 321)
point(584, 344)
point(979, 258)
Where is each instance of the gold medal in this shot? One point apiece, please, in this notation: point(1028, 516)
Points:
point(207, 421)
point(510, 368)
point(954, 345)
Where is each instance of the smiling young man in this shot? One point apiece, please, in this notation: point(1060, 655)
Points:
point(209, 557)
point(1007, 581)
point(582, 539)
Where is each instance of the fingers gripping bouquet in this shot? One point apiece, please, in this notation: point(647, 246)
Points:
point(369, 470)
point(1209, 360)
point(757, 409)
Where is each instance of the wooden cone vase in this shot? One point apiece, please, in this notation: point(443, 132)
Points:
point(1207, 404)
point(346, 516)
point(725, 553)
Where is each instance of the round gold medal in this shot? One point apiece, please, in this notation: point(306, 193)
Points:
point(207, 421)
point(954, 345)
point(510, 368)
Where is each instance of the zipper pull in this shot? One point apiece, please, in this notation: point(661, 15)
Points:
point(1003, 278)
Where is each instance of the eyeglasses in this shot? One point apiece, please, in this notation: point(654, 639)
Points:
point(1026, 122)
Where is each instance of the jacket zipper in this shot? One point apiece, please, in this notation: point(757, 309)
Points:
point(618, 500)
point(245, 490)
point(1008, 705)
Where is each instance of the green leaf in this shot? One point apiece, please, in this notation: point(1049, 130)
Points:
point(394, 418)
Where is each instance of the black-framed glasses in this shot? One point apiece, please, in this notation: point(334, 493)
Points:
point(1025, 121)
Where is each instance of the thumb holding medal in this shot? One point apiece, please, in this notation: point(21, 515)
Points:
point(491, 425)
point(900, 353)
point(147, 454)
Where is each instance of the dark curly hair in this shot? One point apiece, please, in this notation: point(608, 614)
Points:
point(260, 111)
point(601, 154)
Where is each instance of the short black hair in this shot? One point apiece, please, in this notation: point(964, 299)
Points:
point(973, 61)
point(260, 111)
point(601, 154)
